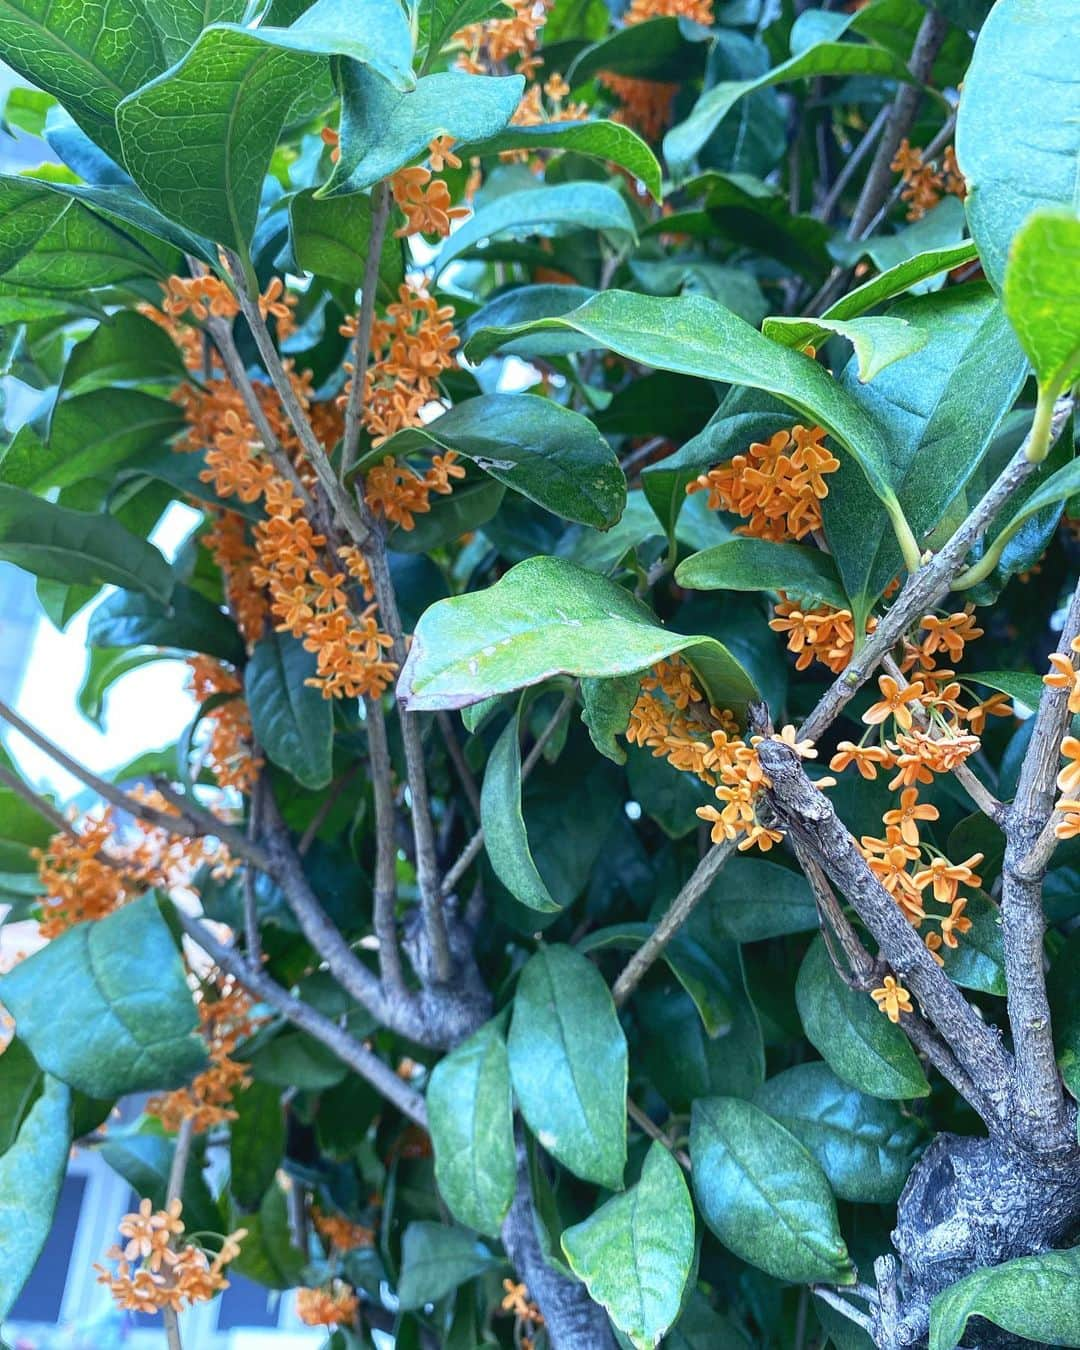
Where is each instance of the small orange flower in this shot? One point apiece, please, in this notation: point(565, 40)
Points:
point(1068, 780)
point(334, 1304)
point(866, 758)
point(997, 705)
point(894, 701)
point(1068, 827)
point(1064, 675)
point(892, 999)
point(907, 816)
point(946, 877)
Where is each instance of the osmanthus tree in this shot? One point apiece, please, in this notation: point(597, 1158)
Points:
point(602, 425)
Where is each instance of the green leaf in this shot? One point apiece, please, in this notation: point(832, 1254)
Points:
point(866, 1147)
point(523, 304)
point(535, 210)
point(189, 622)
point(979, 961)
point(21, 1083)
point(937, 412)
point(683, 142)
point(470, 1118)
point(106, 1008)
point(911, 272)
point(1065, 1010)
point(752, 900)
point(505, 836)
point(1033, 1296)
point(568, 1064)
point(610, 142)
point(1054, 490)
point(606, 712)
point(439, 20)
point(88, 53)
point(292, 722)
point(143, 1156)
point(125, 348)
point(267, 1254)
point(256, 1142)
point(1019, 153)
point(78, 547)
point(181, 21)
point(635, 1253)
point(878, 342)
point(858, 1042)
point(435, 1260)
point(546, 617)
point(198, 139)
point(330, 239)
point(383, 128)
point(654, 50)
point(805, 574)
point(548, 453)
point(1042, 296)
point(696, 336)
point(31, 1174)
point(763, 1195)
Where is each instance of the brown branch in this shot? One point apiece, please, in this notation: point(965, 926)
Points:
point(252, 940)
point(648, 1126)
point(380, 214)
point(1044, 1119)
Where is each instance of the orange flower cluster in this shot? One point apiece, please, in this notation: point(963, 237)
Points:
point(229, 754)
point(531, 110)
point(395, 491)
point(825, 634)
point(923, 183)
point(230, 548)
point(412, 346)
point(778, 486)
point(334, 1304)
point(425, 200)
point(225, 1019)
point(154, 1270)
point(526, 1313)
point(340, 1233)
point(487, 45)
point(645, 105)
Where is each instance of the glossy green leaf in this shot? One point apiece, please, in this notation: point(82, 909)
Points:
point(189, 622)
point(1042, 295)
point(106, 1007)
point(330, 239)
point(805, 574)
point(606, 712)
point(858, 1042)
point(505, 836)
point(1054, 490)
point(979, 961)
point(610, 142)
point(547, 617)
point(683, 142)
point(435, 1260)
point(540, 210)
point(937, 411)
point(292, 721)
point(439, 20)
point(878, 342)
point(634, 1254)
point(267, 1254)
point(865, 1146)
point(470, 1118)
point(126, 348)
point(21, 1083)
point(753, 899)
point(696, 336)
point(384, 128)
point(763, 1195)
point(79, 547)
point(1033, 1296)
point(654, 50)
point(895, 280)
point(568, 1064)
point(522, 305)
point(31, 1174)
point(256, 1142)
point(548, 453)
point(1021, 152)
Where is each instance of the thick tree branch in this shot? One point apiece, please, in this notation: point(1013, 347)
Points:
point(1044, 1118)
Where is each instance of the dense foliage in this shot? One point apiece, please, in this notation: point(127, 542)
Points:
point(620, 883)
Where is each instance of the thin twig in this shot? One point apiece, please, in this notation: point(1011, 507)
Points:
point(380, 214)
point(385, 901)
point(457, 758)
point(44, 808)
point(174, 1190)
point(852, 164)
point(649, 1126)
point(833, 1299)
point(251, 908)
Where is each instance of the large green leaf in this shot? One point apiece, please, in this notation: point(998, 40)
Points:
point(697, 336)
point(753, 899)
point(911, 272)
point(470, 1118)
point(505, 836)
point(858, 1042)
point(878, 342)
point(763, 1195)
point(31, 1173)
point(78, 547)
point(256, 1142)
point(181, 21)
point(1033, 1296)
point(610, 142)
point(126, 348)
point(548, 617)
point(436, 1259)
point(683, 142)
point(539, 210)
point(384, 128)
point(330, 239)
point(21, 1082)
point(937, 411)
point(1019, 152)
point(1042, 295)
point(292, 721)
point(88, 53)
point(548, 453)
point(634, 1254)
point(865, 1146)
point(267, 1254)
point(189, 622)
point(106, 1007)
point(89, 435)
point(805, 574)
point(655, 50)
point(568, 1064)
